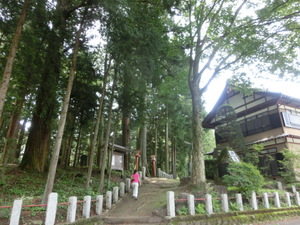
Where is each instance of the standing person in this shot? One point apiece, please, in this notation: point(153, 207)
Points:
point(135, 182)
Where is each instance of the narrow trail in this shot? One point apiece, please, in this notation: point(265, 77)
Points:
point(149, 208)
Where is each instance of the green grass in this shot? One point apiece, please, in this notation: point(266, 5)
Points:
point(29, 186)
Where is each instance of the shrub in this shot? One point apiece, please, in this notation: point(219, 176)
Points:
point(243, 178)
point(200, 208)
point(289, 163)
point(183, 210)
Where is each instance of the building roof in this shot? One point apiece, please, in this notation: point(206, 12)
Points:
point(272, 138)
point(278, 98)
point(119, 148)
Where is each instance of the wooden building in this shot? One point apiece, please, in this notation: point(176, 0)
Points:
point(267, 118)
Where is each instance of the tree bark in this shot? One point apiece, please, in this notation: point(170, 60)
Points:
point(37, 147)
point(111, 152)
point(10, 145)
point(76, 157)
point(100, 145)
point(144, 145)
point(104, 158)
point(198, 166)
point(167, 154)
point(20, 139)
point(99, 116)
point(126, 135)
point(11, 56)
point(155, 139)
point(174, 158)
point(62, 121)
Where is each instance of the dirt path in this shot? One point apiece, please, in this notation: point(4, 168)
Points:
point(152, 197)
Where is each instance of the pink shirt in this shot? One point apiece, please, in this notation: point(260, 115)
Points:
point(136, 177)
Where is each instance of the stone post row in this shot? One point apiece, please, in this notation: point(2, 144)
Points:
point(276, 200)
point(16, 212)
point(127, 186)
point(122, 189)
point(51, 209)
point(191, 204)
point(266, 200)
point(86, 212)
point(115, 194)
point(279, 185)
point(71, 213)
point(239, 202)
point(143, 172)
point(108, 199)
point(254, 201)
point(170, 204)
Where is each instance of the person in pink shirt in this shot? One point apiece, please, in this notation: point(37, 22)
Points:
point(135, 182)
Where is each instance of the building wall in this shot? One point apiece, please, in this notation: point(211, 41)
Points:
point(294, 147)
point(288, 130)
point(264, 135)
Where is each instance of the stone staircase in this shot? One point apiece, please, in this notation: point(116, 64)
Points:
point(134, 220)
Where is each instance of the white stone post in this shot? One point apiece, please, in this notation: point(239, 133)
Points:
point(122, 189)
point(71, 213)
point(279, 185)
point(143, 172)
point(224, 200)
point(254, 201)
point(158, 172)
point(128, 183)
point(297, 198)
point(86, 207)
point(208, 204)
point(288, 199)
point(239, 202)
point(276, 200)
point(108, 199)
point(170, 204)
point(266, 200)
point(16, 212)
point(99, 204)
point(191, 204)
point(115, 194)
point(51, 209)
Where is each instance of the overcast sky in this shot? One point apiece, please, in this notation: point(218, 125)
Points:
point(272, 84)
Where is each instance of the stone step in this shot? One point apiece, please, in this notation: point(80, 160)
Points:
point(133, 220)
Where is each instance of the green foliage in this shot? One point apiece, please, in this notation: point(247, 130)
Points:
point(200, 208)
point(216, 202)
point(35, 210)
point(289, 163)
point(243, 178)
point(183, 210)
point(252, 156)
point(229, 129)
point(233, 206)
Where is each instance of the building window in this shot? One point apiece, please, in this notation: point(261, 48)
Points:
point(290, 120)
point(268, 151)
point(260, 123)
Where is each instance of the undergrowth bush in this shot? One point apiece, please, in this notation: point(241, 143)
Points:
point(183, 210)
point(200, 208)
point(243, 178)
